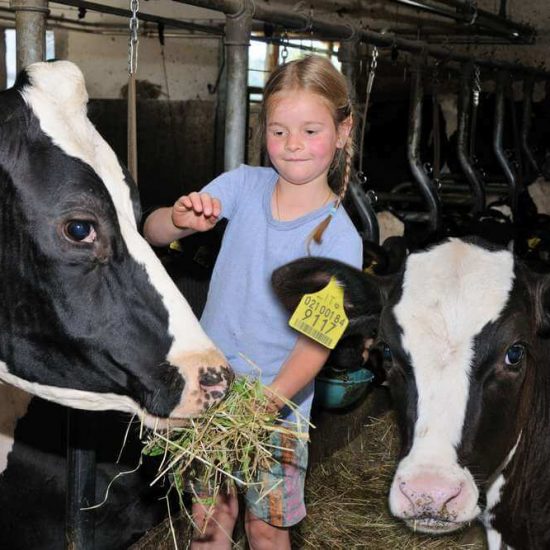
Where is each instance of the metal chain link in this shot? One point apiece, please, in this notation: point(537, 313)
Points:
point(372, 69)
point(284, 52)
point(476, 89)
point(133, 39)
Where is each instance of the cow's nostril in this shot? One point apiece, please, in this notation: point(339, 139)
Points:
point(211, 379)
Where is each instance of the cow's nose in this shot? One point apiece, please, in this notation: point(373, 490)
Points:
point(429, 496)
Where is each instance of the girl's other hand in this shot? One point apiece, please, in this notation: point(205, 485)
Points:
point(198, 211)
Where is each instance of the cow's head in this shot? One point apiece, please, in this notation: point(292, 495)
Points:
point(458, 327)
point(88, 316)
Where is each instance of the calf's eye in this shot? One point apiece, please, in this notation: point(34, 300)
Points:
point(514, 355)
point(80, 231)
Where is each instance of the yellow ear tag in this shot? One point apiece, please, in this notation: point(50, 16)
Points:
point(321, 315)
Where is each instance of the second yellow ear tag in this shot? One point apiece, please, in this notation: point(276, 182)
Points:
point(321, 315)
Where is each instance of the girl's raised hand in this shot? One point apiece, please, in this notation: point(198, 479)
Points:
point(197, 211)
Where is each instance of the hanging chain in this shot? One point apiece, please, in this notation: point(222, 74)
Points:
point(370, 81)
point(284, 52)
point(476, 85)
point(133, 39)
point(372, 70)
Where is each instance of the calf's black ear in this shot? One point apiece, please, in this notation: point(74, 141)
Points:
point(363, 294)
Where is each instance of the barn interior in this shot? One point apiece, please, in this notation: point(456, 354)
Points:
point(452, 105)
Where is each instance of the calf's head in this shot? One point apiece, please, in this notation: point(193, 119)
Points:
point(88, 317)
point(460, 330)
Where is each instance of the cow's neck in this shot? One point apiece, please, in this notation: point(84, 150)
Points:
point(13, 405)
point(522, 514)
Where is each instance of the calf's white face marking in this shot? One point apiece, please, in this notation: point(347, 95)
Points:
point(449, 294)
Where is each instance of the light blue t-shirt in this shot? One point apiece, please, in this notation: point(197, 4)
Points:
point(242, 314)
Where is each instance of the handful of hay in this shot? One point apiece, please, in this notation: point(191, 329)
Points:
point(227, 445)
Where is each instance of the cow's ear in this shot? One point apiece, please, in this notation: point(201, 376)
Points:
point(363, 294)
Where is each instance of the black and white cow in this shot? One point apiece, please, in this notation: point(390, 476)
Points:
point(89, 317)
point(465, 330)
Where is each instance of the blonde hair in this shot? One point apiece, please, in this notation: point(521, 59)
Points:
point(318, 75)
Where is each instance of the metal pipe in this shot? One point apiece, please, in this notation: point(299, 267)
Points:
point(3, 68)
point(176, 23)
point(498, 146)
point(348, 55)
point(426, 186)
point(464, 111)
point(237, 38)
point(30, 31)
point(81, 480)
point(528, 85)
point(289, 20)
point(476, 18)
point(469, 7)
point(369, 221)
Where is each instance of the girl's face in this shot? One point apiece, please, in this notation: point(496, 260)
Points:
point(302, 137)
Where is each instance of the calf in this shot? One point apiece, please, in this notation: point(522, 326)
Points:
point(89, 317)
point(464, 328)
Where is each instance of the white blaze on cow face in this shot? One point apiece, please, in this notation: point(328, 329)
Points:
point(449, 294)
point(58, 98)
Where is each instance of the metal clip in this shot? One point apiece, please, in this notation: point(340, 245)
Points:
point(284, 42)
point(476, 88)
point(133, 39)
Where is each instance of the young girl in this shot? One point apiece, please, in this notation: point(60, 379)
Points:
point(275, 215)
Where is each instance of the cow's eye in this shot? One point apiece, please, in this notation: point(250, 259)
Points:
point(514, 355)
point(80, 231)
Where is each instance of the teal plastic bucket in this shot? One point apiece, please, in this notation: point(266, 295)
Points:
point(338, 390)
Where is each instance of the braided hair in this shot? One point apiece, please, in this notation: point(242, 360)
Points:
point(318, 75)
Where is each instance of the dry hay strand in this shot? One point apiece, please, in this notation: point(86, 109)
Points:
point(347, 501)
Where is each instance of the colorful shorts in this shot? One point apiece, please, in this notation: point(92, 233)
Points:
point(278, 497)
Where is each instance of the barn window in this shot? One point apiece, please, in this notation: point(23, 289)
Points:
point(10, 52)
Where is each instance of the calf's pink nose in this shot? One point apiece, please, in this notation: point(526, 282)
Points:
point(429, 495)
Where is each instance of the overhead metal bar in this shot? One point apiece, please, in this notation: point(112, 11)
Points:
point(302, 22)
point(469, 14)
point(168, 22)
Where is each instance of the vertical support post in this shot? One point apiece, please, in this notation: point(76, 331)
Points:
point(3, 68)
point(528, 85)
point(426, 185)
point(30, 31)
point(348, 55)
point(498, 146)
point(464, 112)
point(81, 477)
point(237, 39)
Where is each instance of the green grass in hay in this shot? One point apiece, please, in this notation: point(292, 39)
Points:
point(226, 446)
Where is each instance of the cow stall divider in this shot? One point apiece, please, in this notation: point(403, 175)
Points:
point(30, 23)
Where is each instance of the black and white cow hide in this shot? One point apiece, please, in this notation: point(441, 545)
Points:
point(89, 318)
point(465, 330)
